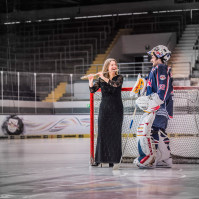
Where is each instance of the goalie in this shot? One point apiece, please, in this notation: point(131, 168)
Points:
point(152, 140)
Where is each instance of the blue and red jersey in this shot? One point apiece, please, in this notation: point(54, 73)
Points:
point(160, 81)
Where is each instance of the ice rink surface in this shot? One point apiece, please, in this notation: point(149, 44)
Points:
point(59, 169)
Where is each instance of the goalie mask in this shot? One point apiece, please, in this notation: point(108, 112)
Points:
point(161, 52)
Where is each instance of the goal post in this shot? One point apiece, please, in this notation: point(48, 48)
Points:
point(183, 129)
point(92, 128)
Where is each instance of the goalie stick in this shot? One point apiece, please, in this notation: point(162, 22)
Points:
point(117, 166)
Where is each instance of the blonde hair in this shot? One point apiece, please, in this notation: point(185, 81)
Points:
point(106, 65)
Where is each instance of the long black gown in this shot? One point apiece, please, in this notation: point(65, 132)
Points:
point(109, 146)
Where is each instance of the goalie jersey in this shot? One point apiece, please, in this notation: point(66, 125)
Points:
point(160, 81)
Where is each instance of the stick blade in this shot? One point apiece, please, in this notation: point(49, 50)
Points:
point(116, 166)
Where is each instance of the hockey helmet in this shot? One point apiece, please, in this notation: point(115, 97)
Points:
point(161, 52)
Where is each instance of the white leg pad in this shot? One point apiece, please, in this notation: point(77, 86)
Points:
point(163, 154)
point(145, 148)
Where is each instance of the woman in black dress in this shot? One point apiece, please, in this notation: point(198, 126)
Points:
point(109, 145)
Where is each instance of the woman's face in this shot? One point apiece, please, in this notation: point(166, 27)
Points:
point(112, 66)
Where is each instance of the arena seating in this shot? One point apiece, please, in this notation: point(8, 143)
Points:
point(59, 46)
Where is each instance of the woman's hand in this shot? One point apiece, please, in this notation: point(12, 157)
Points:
point(90, 79)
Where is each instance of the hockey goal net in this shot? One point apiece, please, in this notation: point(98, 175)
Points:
point(183, 129)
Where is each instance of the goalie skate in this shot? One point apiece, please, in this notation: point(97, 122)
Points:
point(150, 165)
point(164, 163)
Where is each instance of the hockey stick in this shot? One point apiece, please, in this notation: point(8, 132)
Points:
point(117, 166)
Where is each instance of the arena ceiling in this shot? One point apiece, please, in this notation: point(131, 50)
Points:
point(9, 6)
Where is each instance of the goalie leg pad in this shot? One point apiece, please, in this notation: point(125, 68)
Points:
point(144, 142)
point(163, 154)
